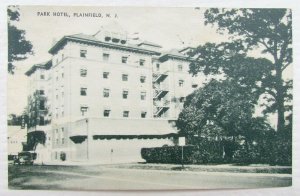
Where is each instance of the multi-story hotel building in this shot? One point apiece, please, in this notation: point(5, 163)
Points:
point(106, 97)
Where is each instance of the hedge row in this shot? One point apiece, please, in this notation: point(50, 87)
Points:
point(207, 152)
point(276, 153)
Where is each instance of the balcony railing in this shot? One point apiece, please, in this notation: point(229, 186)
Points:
point(160, 111)
point(158, 94)
point(159, 77)
point(162, 103)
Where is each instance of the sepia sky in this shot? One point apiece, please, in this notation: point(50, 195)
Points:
point(168, 27)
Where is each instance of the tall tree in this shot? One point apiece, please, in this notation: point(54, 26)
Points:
point(225, 110)
point(18, 47)
point(219, 109)
point(268, 29)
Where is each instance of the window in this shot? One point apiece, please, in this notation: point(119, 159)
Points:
point(125, 94)
point(83, 91)
point(143, 95)
point(56, 96)
point(106, 92)
point(157, 66)
point(62, 113)
point(142, 62)
point(56, 141)
point(42, 104)
point(62, 56)
point(124, 59)
point(126, 114)
point(83, 53)
point(105, 56)
point(83, 72)
point(62, 75)
point(42, 77)
point(56, 154)
point(62, 129)
point(124, 77)
point(105, 75)
point(62, 140)
point(56, 78)
point(143, 79)
point(194, 85)
point(83, 110)
point(106, 113)
point(181, 99)
point(143, 114)
point(180, 83)
point(62, 94)
point(42, 120)
point(179, 67)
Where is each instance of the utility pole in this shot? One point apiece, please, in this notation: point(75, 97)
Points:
point(182, 157)
point(181, 143)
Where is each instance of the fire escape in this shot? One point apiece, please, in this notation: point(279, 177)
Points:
point(159, 95)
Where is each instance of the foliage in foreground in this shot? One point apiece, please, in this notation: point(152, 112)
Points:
point(219, 152)
point(18, 47)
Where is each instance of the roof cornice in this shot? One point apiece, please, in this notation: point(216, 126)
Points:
point(168, 56)
point(63, 40)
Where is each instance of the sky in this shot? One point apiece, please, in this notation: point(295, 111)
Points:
point(168, 27)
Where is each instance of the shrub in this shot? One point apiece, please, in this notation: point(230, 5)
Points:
point(205, 152)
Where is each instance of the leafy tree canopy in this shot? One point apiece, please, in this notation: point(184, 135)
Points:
point(18, 47)
point(270, 30)
point(221, 109)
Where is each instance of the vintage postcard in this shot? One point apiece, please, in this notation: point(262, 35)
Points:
point(149, 98)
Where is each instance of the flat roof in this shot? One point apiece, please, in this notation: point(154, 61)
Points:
point(173, 54)
point(46, 65)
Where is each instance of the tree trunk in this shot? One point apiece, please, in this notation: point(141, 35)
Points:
point(280, 100)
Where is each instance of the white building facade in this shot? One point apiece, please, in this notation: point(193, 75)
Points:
point(106, 97)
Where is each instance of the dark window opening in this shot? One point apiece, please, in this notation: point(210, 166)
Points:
point(125, 94)
point(180, 83)
point(42, 120)
point(83, 72)
point(124, 59)
point(143, 95)
point(106, 113)
point(83, 91)
point(105, 56)
point(179, 67)
point(143, 79)
point(42, 105)
point(124, 77)
point(105, 92)
point(142, 62)
point(194, 85)
point(157, 66)
point(143, 114)
point(83, 53)
point(181, 99)
point(105, 75)
point(126, 114)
